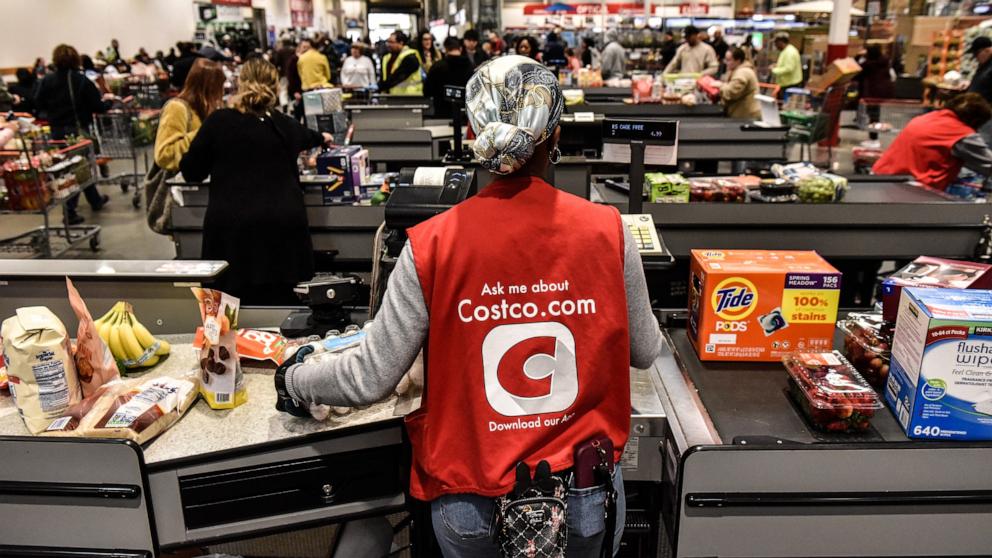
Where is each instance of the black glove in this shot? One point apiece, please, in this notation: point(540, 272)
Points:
point(285, 402)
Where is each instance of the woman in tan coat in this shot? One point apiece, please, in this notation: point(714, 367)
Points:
point(738, 92)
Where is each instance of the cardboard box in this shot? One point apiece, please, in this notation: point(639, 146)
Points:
point(839, 72)
point(940, 381)
point(333, 123)
point(927, 272)
point(322, 101)
point(757, 305)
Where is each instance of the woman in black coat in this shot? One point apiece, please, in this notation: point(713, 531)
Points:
point(255, 219)
point(68, 100)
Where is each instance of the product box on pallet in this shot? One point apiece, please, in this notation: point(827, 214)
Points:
point(757, 305)
point(940, 380)
point(322, 101)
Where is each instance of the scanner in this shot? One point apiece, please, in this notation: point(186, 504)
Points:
point(330, 300)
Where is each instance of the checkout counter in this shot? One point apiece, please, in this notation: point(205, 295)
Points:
point(746, 475)
point(217, 475)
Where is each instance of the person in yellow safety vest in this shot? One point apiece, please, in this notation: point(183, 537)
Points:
point(401, 68)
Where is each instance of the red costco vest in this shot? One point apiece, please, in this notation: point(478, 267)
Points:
point(923, 149)
point(528, 353)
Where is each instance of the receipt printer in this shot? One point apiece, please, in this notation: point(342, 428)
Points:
point(421, 194)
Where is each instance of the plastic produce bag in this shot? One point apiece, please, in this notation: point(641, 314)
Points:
point(137, 411)
point(95, 365)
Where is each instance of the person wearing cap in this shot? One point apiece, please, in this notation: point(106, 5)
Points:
point(613, 60)
point(694, 56)
point(981, 83)
point(357, 71)
point(788, 70)
point(515, 372)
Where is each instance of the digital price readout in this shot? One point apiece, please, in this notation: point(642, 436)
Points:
point(652, 132)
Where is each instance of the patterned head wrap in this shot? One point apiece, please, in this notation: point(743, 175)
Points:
point(514, 104)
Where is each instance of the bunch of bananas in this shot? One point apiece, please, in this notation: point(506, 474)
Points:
point(132, 345)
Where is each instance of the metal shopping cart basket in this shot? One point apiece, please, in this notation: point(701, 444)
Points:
point(123, 133)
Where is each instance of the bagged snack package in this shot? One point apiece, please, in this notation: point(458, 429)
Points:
point(39, 361)
point(254, 344)
point(137, 411)
point(95, 364)
point(221, 379)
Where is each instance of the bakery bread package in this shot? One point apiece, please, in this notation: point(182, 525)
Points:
point(40, 367)
point(136, 411)
point(95, 365)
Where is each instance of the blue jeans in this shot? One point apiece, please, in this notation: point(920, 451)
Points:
point(465, 524)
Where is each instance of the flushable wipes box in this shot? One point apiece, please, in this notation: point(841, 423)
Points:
point(940, 381)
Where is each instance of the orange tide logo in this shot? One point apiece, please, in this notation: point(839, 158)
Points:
point(734, 298)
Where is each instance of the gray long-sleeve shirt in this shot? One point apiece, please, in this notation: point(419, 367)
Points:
point(394, 339)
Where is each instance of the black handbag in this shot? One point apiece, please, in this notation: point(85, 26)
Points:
point(532, 518)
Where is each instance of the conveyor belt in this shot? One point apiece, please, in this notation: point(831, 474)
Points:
point(750, 399)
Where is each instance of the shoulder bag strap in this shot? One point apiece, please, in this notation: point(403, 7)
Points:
point(72, 100)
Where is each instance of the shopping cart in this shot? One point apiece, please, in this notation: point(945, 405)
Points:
point(123, 132)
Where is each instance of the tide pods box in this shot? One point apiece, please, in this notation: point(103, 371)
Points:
point(758, 305)
point(940, 380)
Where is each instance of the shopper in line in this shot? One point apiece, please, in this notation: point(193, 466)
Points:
point(720, 46)
point(180, 69)
point(875, 80)
point(401, 68)
point(591, 57)
point(507, 236)
point(981, 82)
point(473, 50)
point(527, 46)
point(613, 63)
point(694, 56)
point(554, 51)
point(294, 85)
point(935, 146)
point(749, 49)
point(255, 218)
point(738, 92)
point(358, 70)
point(668, 49)
point(180, 120)
point(25, 89)
point(315, 70)
point(113, 53)
point(69, 101)
point(7, 99)
point(455, 69)
point(428, 51)
point(788, 70)
point(574, 62)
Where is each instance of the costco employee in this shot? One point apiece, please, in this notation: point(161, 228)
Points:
point(401, 68)
point(529, 325)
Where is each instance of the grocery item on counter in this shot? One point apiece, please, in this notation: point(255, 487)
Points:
point(221, 378)
point(137, 410)
point(759, 305)
point(256, 344)
point(717, 190)
point(821, 188)
point(940, 383)
point(930, 272)
point(667, 188)
point(132, 345)
point(830, 392)
point(868, 345)
point(774, 190)
point(95, 364)
point(41, 372)
point(795, 171)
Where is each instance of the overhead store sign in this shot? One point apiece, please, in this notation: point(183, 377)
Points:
point(694, 8)
point(237, 3)
point(581, 9)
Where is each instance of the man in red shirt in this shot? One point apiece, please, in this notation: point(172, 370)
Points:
point(934, 147)
point(528, 331)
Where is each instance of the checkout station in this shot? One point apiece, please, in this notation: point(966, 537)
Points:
point(720, 462)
